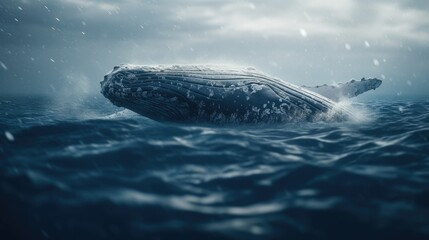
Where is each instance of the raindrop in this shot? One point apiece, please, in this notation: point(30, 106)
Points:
point(20, 8)
point(409, 83)
point(376, 62)
point(57, 19)
point(52, 60)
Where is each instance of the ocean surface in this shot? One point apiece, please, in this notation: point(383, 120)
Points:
point(81, 168)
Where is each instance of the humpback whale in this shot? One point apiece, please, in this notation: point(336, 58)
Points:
point(224, 94)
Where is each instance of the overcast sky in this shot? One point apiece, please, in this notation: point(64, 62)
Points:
point(66, 46)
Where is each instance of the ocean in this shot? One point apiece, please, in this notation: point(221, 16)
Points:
point(81, 168)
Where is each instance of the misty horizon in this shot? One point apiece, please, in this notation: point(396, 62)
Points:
point(66, 46)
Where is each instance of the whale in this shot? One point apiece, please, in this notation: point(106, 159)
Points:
point(224, 94)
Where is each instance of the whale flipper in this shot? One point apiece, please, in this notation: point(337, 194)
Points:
point(348, 89)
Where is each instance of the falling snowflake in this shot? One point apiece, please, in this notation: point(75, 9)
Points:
point(303, 32)
point(9, 136)
point(347, 46)
point(367, 44)
point(3, 65)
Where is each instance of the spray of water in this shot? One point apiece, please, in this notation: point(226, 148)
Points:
point(358, 112)
point(71, 98)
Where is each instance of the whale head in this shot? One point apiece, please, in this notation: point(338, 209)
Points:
point(146, 92)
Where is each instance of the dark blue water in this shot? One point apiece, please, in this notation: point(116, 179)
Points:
point(73, 169)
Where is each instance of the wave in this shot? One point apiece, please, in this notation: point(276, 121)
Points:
point(120, 175)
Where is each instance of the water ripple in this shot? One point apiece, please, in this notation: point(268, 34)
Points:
point(118, 175)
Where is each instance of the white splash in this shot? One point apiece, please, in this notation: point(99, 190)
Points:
point(121, 114)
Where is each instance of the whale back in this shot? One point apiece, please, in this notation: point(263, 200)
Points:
point(214, 94)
